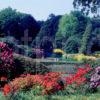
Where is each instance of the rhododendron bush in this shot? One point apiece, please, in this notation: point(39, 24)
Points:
point(6, 60)
point(47, 84)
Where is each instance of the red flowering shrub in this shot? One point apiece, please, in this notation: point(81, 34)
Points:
point(49, 83)
point(79, 77)
point(6, 60)
point(7, 89)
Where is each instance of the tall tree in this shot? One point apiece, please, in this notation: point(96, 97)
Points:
point(50, 27)
point(86, 37)
point(67, 26)
point(88, 5)
point(14, 23)
point(47, 46)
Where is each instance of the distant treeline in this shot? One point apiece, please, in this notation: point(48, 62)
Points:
point(74, 32)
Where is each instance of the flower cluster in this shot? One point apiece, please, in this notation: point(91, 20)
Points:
point(95, 78)
point(6, 53)
point(79, 77)
point(38, 52)
point(7, 89)
point(49, 83)
point(6, 58)
point(58, 51)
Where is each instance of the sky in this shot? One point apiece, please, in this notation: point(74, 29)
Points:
point(39, 9)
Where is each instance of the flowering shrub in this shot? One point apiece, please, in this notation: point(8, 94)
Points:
point(58, 52)
point(49, 83)
point(79, 57)
point(7, 89)
point(6, 60)
point(38, 53)
point(82, 57)
point(95, 78)
point(79, 77)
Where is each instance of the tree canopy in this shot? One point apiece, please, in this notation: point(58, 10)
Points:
point(88, 5)
point(14, 23)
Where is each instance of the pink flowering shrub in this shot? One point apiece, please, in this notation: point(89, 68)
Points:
point(6, 60)
point(95, 79)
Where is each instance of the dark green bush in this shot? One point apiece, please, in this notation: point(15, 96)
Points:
point(26, 65)
point(72, 44)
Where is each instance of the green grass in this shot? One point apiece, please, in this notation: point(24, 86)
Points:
point(29, 96)
point(78, 97)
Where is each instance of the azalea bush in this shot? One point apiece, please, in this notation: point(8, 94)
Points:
point(6, 60)
point(49, 83)
point(95, 80)
point(79, 81)
point(44, 84)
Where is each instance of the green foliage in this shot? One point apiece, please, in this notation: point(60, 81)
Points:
point(93, 64)
point(15, 24)
point(67, 26)
point(72, 45)
point(82, 22)
point(30, 96)
point(27, 65)
point(71, 26)
point(10, 41)
point(86, 38)
point(7, 13)
point(87, 5)
point(47, 46)
point(50, 27)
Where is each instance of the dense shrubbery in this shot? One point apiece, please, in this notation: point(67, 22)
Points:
point(42, 82)
point(27, 65)
point(72, 45)
point(49, 83)
point(6, 61)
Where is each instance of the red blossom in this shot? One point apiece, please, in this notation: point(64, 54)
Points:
point(7, 89)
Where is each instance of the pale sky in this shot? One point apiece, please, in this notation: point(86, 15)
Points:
point(40, 9)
